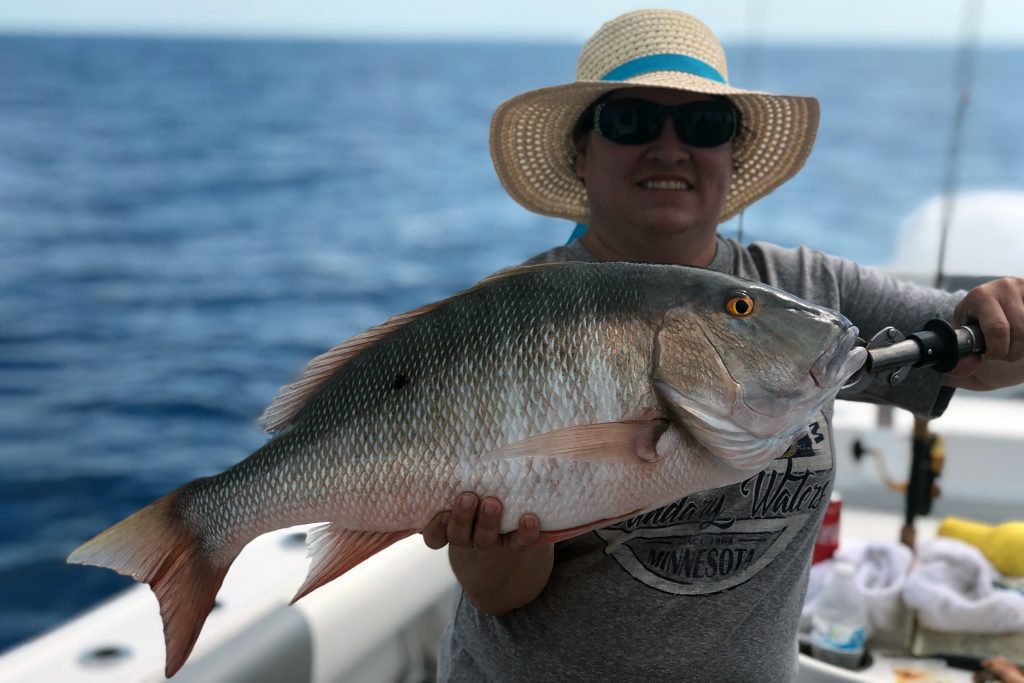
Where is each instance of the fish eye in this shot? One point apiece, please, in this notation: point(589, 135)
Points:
point(740, 305)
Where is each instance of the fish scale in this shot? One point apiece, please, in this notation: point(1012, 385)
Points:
point(582, 393)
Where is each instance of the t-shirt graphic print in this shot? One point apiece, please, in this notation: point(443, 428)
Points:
point(713, 540)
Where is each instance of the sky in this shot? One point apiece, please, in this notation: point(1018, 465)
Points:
point(1001, 22)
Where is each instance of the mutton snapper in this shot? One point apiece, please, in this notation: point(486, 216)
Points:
point(584, 393)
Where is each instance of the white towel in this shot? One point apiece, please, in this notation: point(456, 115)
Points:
point(881, 569)
point(951, 587)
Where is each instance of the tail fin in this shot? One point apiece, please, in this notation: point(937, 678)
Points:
point(156, 547)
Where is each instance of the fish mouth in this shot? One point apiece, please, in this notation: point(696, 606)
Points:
point(840, 360)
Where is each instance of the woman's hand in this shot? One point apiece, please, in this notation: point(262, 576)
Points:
point(498, 572)
point(998, 306)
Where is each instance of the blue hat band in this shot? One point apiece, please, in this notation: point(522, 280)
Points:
point(664, 62)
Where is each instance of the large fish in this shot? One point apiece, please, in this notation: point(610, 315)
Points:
point(584, 393)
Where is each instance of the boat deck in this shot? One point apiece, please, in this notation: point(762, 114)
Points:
point(347, 631)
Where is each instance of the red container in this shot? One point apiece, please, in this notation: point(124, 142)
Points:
point(828, 536)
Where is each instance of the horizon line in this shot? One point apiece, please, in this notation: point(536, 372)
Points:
point(145, 33)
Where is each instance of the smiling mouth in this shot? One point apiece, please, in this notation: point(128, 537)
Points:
point(676, 185)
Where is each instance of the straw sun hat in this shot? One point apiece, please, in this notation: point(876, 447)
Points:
point(531, 134)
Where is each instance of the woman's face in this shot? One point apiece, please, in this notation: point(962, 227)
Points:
point(642, 195)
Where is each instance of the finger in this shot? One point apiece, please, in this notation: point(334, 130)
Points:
point(435, 533)
point(488, 524)
point(998, 306)
point(994, 325)
point(528, 533)
point(1015, 316)
point(960, 314)
point(1006, 671)
point(460, 525)
point(1000, 663)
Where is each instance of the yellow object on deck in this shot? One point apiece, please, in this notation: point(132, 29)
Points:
point(1003, 544)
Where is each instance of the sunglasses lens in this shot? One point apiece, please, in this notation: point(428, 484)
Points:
point(630, 122)
point(637, 122)
point(706, 124)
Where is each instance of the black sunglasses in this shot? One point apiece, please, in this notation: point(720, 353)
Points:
point(706, 123)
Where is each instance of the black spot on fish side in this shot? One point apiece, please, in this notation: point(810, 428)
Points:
point(401, 380)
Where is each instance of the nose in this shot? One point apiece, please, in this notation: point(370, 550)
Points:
point(667, 147)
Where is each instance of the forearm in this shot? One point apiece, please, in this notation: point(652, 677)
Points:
point(497, 589)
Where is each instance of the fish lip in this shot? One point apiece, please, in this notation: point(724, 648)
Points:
point(840, 360)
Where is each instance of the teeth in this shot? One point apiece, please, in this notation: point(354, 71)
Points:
point(665, 185)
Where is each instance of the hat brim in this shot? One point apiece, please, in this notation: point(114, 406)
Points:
point(533, 153)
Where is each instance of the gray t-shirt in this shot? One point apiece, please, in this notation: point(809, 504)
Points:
point(709, 587)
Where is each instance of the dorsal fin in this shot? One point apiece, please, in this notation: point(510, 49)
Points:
point(290, 398)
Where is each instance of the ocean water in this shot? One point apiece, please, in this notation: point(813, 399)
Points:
point(183, 223)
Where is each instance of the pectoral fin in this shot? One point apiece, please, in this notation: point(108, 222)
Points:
point(627, 441)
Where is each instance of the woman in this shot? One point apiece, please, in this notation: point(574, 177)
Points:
point(649, 150)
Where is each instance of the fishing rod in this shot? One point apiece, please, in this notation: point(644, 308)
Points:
point(892, 355)
point(927, 453)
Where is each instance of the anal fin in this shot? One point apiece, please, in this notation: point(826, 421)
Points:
point(563, 534)
point(335, 551)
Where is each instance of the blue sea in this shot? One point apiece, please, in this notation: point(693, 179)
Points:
point(183, 223)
